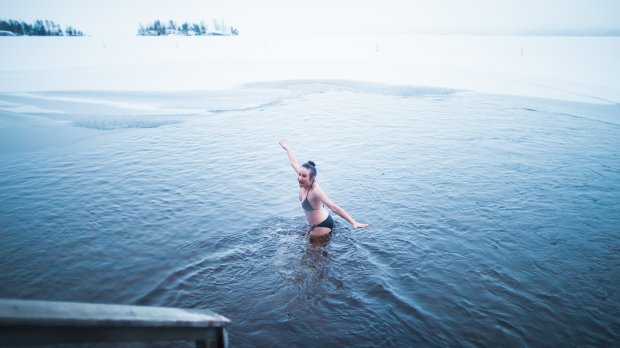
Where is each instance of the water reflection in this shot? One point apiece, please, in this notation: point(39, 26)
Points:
point(315, 261)
point(320, 240)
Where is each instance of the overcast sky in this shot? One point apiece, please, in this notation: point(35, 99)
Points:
point(121, 17)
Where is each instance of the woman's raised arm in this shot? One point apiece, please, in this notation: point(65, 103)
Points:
point(291, 156)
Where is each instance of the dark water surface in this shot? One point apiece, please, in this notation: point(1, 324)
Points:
point(494, 221)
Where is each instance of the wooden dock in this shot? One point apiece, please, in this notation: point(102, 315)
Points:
point(43, 322)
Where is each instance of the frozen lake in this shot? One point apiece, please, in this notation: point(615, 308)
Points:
point(568, 68)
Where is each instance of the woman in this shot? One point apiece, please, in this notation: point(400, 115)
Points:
point(314, 199)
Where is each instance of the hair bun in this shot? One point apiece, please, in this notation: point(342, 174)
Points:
point(312, 163)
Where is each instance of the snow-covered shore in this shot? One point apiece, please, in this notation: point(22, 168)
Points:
point(568, 68)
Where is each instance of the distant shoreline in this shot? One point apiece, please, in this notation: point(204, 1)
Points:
point(39, 27)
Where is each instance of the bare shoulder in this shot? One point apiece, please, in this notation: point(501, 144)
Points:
point(318, 189)
point(316, 186)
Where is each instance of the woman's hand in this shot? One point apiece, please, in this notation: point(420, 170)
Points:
point(358, 225)
point(284, 144)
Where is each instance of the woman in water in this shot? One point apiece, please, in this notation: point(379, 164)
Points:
point(313, 198)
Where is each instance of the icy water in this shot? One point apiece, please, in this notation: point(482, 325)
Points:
point(494, 220)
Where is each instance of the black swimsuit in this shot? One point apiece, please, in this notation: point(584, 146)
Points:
point(328, 222)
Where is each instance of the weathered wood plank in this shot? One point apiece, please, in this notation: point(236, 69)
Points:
point(22, 312)
point(45, 322)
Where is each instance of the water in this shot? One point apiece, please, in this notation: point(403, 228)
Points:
point(494, 220)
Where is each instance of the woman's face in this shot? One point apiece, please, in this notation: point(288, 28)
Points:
point(303, 177)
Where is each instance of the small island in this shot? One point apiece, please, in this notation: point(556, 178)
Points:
point(163, 28)
point(40, 27)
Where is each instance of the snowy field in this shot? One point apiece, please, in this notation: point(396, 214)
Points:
point(567, 68)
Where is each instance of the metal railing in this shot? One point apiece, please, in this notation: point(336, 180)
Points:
point(44, 322)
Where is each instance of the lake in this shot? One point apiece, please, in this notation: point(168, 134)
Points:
point(494, 220)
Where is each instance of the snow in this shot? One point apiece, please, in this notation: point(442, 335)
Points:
point(567, 68)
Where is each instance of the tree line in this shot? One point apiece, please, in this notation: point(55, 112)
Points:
point(38, 28)
point(162, 28)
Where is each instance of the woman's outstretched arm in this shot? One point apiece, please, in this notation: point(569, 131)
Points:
point(291, 156)
point(336, 208)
